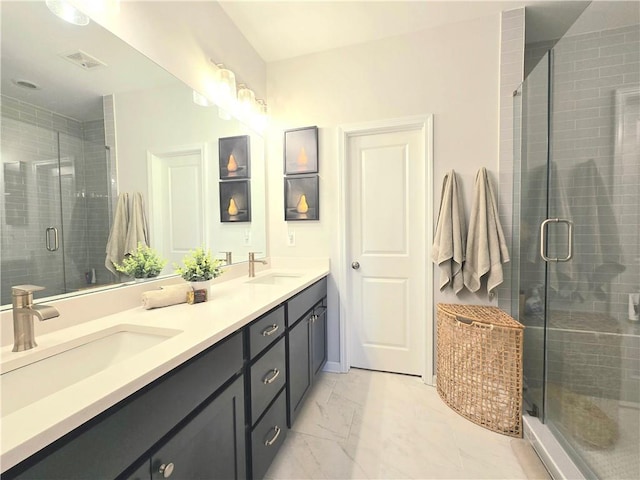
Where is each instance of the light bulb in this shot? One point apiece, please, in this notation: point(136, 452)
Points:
point(226, 83)
point(246, 98)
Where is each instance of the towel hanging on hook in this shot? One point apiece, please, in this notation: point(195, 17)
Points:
point(448, 250)
point(486, 246)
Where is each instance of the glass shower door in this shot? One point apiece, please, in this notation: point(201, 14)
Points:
point(592, 399)
point(31, 213)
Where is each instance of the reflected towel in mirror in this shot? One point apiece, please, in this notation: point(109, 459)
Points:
point(137, 229)
point(118, 235)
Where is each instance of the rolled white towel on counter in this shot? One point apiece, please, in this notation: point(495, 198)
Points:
point(183, 287)
point(165, 297)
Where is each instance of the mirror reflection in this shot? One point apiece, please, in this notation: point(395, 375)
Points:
point(85, 118)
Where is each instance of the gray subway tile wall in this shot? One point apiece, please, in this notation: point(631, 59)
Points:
point(511, 76)
point(31, 138)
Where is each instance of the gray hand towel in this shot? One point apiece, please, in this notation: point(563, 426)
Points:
point(486, 246)
point(116, 243)
point(137, 231)
point(448, 250)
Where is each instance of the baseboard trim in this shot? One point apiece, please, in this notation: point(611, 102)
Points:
point(332, 367)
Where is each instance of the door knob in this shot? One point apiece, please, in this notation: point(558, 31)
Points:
point(355, 265)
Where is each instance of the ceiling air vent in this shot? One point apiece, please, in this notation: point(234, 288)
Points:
point(83, 60)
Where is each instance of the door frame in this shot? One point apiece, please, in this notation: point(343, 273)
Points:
point(424, 124)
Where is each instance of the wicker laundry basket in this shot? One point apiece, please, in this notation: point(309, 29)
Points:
point(479, 365)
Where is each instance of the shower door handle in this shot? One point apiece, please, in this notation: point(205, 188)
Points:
point(543, 240)
point(47, 239)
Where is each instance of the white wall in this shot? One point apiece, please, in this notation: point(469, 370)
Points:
point(181, 36)
point(451, 72)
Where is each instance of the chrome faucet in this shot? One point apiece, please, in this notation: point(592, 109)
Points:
point(252, 263)
point(227, 258)
point(23, 312)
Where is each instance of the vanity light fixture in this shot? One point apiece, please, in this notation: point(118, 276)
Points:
point(226, 83)
point(240, 103)
point(67, 12)
point(246, 98)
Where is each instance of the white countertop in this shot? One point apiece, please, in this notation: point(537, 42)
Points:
point(234, 304)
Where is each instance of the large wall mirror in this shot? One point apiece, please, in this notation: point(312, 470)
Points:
point(86, 118)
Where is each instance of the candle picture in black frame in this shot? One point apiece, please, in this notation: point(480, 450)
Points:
point(301, 151)
point(235, 201)
point(301, 198)
point(234, 157)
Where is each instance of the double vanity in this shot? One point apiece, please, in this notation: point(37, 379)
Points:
point(188, 391)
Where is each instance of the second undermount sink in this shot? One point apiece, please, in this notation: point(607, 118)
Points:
point(275, 279)
point(44, 371)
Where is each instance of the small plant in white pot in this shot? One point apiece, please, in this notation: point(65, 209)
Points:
point(144, 262)
point(199, 268)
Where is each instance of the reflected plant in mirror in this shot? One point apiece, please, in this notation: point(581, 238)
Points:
point(145, 262)
point(85, 117)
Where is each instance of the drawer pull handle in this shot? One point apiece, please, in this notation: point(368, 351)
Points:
point(268, 443)
point(270, 331)
point(269, 380)
point(166, 470)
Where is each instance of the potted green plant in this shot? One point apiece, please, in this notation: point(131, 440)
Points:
point(144, 262)
point(199, 267)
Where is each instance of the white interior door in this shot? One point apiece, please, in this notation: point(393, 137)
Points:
point(386, 211)
point(176, 181)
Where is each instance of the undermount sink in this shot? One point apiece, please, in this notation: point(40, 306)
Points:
point(275, 279)
point(42, 372)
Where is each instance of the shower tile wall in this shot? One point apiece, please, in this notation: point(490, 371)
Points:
point(511, 76)
point(29, 138)
point(97, 186)
point(602, 185)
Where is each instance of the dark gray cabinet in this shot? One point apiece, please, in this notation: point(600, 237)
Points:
point(299, 365)
point(108, 445)
point(221, 415)
point(307, 343)
point(319, 338)
point(267, 413)
point(268, 435)
point(210, 445)
point(268, 376)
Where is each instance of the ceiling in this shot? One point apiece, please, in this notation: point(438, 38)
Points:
point(279, 30)
point(33, 40)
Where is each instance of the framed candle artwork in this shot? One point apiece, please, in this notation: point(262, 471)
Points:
point(301, 198)
point(234, 158)
point(301, 151)
point(235, 201)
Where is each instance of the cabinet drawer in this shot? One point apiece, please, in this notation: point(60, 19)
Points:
point(265, 331)
point(268, 376)
point(268, 436)
point(305, 300)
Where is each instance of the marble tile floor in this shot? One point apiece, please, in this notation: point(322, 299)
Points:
point(368, 425)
